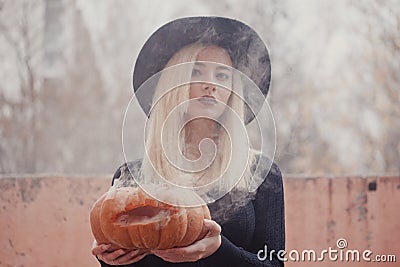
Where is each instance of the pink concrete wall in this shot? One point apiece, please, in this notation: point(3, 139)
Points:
point(44, 220)
point(320, 211)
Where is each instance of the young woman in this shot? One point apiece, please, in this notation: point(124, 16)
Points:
point(197, 108)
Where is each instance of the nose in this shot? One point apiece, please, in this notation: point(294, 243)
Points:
point(210, 88)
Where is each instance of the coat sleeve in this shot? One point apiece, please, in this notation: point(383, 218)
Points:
point(269, 229)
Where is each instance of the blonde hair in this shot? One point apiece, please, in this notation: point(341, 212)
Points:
point(165, 100)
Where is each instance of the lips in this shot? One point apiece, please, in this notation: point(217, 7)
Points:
point(208, 100)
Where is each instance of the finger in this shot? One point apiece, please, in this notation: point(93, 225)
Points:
point(214, 228)
point(171, 251)
point(100, 249)
point(113, 255)
point(138, 258)
point(159, 253)
point(129, 261)
point(177, 254)
point(171, 258)
point(165, 255)
point(128, 258)
point(125, 258)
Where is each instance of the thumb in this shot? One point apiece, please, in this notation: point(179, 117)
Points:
point(213, 228)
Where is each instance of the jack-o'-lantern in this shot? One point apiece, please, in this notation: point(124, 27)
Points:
point(128, 218)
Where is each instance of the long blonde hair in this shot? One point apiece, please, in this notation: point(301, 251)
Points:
point(165, 100)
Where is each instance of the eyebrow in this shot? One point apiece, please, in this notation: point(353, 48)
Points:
point(201, 64)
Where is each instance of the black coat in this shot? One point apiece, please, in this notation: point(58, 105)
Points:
point(249, 229)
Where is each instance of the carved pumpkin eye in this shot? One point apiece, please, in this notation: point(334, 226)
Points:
point(128, 218)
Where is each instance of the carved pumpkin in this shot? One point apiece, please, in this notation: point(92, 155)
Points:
point(96, 227)
point(129, 218)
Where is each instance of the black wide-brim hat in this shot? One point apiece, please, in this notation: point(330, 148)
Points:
point(247, 50)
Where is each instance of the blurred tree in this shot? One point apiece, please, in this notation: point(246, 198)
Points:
point(20, 27)
point(66, 80)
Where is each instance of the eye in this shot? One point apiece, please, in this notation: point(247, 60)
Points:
point(196, 72)
point(222, 76)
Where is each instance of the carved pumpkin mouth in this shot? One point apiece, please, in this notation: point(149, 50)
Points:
point(143, 215)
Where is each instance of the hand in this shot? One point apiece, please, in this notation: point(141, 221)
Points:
point(119, 256)
point(198, 250)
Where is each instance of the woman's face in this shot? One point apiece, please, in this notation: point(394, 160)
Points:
point(205, 93)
